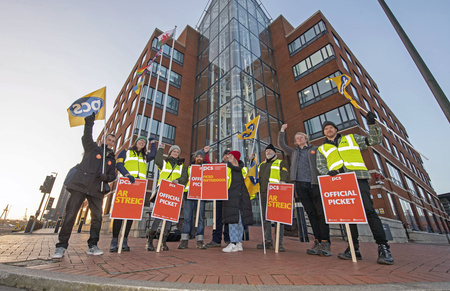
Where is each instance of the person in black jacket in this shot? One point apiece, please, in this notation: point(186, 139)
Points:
point(90, 181)
point(237, 210)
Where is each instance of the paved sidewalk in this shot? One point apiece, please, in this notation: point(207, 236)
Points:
point(25, 259)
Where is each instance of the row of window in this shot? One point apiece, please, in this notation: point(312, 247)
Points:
point(178, 57)
point(306, 38)
point(314, 61)
point(168, 133)
point(175, 78)
point(172, 102)
point(318, 91)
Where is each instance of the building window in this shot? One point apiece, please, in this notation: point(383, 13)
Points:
point(411, 186)
point(394, 210)
point(379, 164)
point(411, 221)
point(387, 144)
point(357, 78)
point(336, 40)
point(359, 69)
point(343, 117)
point(395, 175)
point(376, 101)
point(172, 102)
point(367, 91)
point(424, 220)
point(367, 104)
point(366, 125)
point(305, 39)
point(394, 150)
point(318, 91)
point(314, 61)
point(345, 65)
point(168, 134)
point(355, 93)
point(178, 57)
point(349, 56)
point(175, 78)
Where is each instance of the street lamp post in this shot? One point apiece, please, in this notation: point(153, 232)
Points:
point(46, 188)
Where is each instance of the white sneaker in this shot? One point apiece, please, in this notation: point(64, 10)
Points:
point(94, 250)
point(239, 247)
point(59, 253)
point(231, 248)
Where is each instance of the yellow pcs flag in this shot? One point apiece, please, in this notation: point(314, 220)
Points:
point(341, 82)
point(250, 129)
point(93, 102)
point(251, 180)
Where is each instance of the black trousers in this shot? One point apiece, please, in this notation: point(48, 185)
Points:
point(217, 233)
point(73, 205)
point(372, 217)
point(117, 225)
point(309, 195)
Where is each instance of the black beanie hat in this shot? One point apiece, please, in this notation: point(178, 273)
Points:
point(271, 147)
point(326, 123)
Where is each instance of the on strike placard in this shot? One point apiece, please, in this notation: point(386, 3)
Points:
point(279, 203)
point(128, 201)
point(168, 201)
point(214, 182)
point(195, 182)
point(341, 199)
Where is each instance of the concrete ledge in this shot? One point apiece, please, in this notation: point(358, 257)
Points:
point(426, 237)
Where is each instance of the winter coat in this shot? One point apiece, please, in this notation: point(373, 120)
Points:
point(86, 179)
point(238, 199)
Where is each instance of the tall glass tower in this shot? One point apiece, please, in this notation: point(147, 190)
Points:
point(235, 79)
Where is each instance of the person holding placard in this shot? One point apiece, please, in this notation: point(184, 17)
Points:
point(304, 173)
point(190, 206)
point(237, 210)
point(131, 163)
point(170, 169)
point(341, 154)
point(220, 226)
point(272, 170)
point(89, 181)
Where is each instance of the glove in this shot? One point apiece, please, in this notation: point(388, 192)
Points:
point(131, 178)
point(89, 120)
point(103, 177)
point(371, 117)
point(333, 173)
point(150, 139)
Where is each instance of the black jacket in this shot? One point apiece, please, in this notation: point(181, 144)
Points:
point(238, 199)
point(87, 177)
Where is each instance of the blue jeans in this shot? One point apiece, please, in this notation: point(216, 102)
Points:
point(190, 208)
point(236, 231)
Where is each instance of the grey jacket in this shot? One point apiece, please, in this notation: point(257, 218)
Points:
point(293, 153)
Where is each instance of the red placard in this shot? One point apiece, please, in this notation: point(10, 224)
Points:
point(128, 201)
point(279, 203)
point(341, 199)
point(168, 201)
point(214, 182)
point(195, 182)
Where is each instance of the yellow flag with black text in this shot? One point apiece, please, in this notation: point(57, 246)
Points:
point(341, 82)
point(250, 129)
point(93, 102)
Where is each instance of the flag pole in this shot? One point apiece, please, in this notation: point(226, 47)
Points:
point(262, 223)
point(104, 141)
point(254, 139)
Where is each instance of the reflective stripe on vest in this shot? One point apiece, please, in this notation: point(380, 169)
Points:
point(244, 173)
point(167, 169)
point(347, 154)
point(275, 174)
point(135, 165)
point(186, 188)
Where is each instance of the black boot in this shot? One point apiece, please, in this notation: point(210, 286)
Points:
point(346, 255)
point(125, 246)
point(149, 245)
point(164, 245)
point(384, 255)
point(113, 248)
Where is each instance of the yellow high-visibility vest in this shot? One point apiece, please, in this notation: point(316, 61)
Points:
point(167, 169)
point(244, 173)
point(347, 154)
point(275, 173)
point(135, 165)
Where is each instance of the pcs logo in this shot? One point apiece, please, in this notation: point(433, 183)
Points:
point(86, 106)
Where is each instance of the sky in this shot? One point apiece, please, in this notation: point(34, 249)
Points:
point(53, 52)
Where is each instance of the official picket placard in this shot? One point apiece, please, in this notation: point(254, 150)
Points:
point(195, 182)
point(168, 201)
point(279, 203)
point(214, 182)
point(341, 199)
point(128, 202)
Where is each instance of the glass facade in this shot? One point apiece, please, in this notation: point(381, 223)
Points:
point(236, 79)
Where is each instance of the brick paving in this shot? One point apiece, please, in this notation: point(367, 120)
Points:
point(413, 262)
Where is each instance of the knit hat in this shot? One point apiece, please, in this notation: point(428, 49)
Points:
point(143, 138)
point(174, 147)
point(271, 147)
point(236, 154)
point(199, 153)
point(225, 152)
point(326, 123)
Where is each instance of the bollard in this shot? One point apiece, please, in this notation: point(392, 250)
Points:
point(58, 224)
point(81, 225)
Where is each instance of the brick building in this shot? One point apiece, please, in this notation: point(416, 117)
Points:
point(238, 64)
